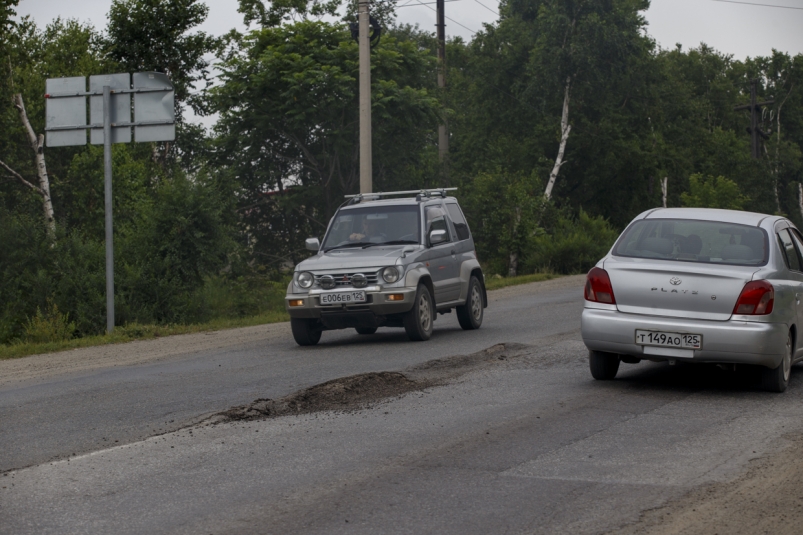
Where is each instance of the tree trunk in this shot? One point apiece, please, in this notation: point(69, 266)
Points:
point(664, 189)
point(565, 128)
point(800, 197)
point(513, 265)
point(38, 145)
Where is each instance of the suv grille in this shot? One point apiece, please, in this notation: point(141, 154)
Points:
point(344, 279)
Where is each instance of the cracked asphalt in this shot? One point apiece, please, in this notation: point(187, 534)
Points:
point(521, 440)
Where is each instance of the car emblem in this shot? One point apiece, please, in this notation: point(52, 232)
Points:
point(713, 297)
point(674, 281)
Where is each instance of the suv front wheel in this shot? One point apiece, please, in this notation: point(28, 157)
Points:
point(418, 322)
point(305, 331)
point(470, 315)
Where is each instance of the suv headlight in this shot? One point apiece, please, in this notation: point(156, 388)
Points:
point(391, 274)
point(305, 279)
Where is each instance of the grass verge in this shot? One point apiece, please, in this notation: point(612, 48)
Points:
point(135, 331)
point(128, 333)
point(504, 282)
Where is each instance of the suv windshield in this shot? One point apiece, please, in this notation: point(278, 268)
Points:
point(685, 240)
point(374, 225)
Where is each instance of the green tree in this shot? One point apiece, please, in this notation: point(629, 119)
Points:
point(153, 35)
point(713, 192)
point(504, 210)
point(289, 128)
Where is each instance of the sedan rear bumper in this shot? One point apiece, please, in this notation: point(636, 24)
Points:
point(731, 342)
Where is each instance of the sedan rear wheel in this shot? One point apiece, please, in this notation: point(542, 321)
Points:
point(777, 380)
point(603, 365)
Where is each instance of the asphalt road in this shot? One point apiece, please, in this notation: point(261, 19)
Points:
point(44, 420)
point(524, 443)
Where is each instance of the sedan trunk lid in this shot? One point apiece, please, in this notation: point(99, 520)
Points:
point(676, 289)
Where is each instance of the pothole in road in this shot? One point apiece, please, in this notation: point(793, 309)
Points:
point(360, 391)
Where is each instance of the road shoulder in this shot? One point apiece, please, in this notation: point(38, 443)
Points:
point(48, 365)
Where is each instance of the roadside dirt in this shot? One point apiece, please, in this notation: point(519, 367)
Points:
point(768, 498)
point(361, 391)
point(145, 351)
point(132, 353)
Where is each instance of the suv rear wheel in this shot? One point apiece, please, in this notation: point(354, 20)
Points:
point(470, 315)
point(418, 322)
point(305, 331)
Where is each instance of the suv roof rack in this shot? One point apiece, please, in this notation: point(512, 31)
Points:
point(420, 195)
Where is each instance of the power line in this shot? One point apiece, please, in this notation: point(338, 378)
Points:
point(486, 7)
point(451, 19)
point(409, 4)
point(755, 4)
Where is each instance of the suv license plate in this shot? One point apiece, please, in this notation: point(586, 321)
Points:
point(340, 298)
point(666, 339)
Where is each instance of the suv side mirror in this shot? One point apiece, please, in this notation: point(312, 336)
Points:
point(437, 236)
point(313, 244)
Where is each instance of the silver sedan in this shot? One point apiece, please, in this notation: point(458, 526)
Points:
point(698, 285)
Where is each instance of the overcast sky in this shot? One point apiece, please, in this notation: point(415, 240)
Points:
point(734, 28)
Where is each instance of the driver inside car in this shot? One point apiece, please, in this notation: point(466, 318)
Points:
point(370, 231)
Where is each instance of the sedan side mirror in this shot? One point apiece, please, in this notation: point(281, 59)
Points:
point(313, 244)
point(437, 236)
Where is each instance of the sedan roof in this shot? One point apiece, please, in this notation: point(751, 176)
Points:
point(709, 214)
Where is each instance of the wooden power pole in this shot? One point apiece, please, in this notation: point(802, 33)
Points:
point(443, 134)
point(755, 114)
point(366, 165)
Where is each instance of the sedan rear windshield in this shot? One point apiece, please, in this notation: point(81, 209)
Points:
point(685, 240)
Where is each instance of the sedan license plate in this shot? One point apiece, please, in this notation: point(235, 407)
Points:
point(341, 298)
point(666, 339)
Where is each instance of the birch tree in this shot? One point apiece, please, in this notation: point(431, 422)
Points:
point(579, 48)
point(37, 143)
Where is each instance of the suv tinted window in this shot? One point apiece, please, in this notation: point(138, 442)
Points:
point(459, 221)
point(436, 220)
point(374, 224)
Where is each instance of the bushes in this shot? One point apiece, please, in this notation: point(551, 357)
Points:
point(178, 243)
point(50, 326)
point(571, 245)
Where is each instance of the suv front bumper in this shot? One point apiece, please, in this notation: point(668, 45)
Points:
point(377, 304)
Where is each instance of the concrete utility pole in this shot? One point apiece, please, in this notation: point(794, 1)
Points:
point(366, 165)
point(443, 134)
point(755, 112)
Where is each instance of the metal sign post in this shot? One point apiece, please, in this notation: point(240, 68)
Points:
point(110, 113)
point(107, 205)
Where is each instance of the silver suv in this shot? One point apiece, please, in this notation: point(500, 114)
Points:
point(387, 261)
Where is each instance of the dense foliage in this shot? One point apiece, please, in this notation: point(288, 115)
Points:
point(565, 120)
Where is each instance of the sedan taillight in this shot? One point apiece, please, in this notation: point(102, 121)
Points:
point(756, 299)
point(598, 287)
